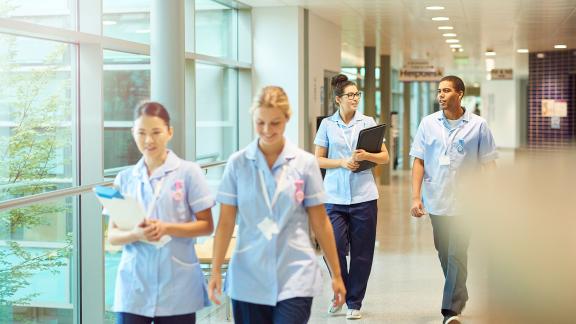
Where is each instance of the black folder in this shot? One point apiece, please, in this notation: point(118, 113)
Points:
point(370, 140)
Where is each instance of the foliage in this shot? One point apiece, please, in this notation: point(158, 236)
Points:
point(34, 152)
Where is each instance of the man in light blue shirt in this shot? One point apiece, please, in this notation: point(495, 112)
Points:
point(447, 143)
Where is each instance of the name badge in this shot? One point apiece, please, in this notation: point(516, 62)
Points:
point(268, 227)
point(444, 160)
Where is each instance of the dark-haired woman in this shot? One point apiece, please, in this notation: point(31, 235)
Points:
point(352, 197)
point(161, 283)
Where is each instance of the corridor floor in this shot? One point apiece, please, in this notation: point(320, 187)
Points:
point(405, 285)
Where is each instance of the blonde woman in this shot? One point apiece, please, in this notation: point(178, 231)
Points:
point(273, 191)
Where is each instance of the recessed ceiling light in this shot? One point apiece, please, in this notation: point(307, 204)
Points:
point(143, 31)
point(108, 22)
point(560, 46)
point(490, 53)
point(522, 50)
point(449, 35)
point(445, 27)
point(434, 8)
point(452, 41)
point(440, 18)
point(540, 55)
point(455, 45)
point(460, 50)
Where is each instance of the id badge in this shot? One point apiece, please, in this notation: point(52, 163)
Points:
point(444, 160)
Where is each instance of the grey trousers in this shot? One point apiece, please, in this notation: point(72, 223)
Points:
point(451, 239)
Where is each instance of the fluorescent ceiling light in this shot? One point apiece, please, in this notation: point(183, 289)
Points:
point(434, 8)
point(440, 18)
point(560, 46)
point(455, 45)
point(445, 27)
point(449, 35)
point(108, 22)
point(522, 50)
point(452, 41)
point(490, 53)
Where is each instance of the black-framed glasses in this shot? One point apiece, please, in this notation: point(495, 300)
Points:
point(352, 95)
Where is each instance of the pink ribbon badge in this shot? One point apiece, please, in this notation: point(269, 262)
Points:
point(299, 194)
point(177, 194)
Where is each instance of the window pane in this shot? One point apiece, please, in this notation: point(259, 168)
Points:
point(126, 19)
point(126, 83)
point(216, 29)
point(216, 112)
point(37, 116)
point(36, 281)
point(53, 13)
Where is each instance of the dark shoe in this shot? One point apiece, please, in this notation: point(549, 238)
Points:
point(451, 320)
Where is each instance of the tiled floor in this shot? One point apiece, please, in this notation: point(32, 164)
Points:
point(406, 281)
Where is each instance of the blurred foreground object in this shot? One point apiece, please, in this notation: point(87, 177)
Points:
point(524, 223)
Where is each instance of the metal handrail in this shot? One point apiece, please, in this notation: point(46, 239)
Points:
point(32, 199)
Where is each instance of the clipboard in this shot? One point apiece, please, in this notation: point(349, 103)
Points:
point(370, 140)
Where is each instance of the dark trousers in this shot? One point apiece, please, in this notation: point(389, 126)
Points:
point(451, 239)
point(128, 318)
point(290, 311)
point(355, 231)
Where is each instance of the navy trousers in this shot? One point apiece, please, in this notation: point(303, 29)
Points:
point(290, 311)
point(451, 239)
point(129, 318)
point(355, 231)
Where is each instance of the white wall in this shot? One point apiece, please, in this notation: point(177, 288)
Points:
point(500, 108)
point(278, 55)
point(324, 54)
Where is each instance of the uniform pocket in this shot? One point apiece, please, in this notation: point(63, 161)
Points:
point(184, 264)
point(188, 285)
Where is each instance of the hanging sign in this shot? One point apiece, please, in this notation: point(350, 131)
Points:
point(420, 70)
point(501, 74)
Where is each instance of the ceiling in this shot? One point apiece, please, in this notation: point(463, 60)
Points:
point(405, 27)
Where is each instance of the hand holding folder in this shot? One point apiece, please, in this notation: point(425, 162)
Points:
point(370, 140)
point(126, 212)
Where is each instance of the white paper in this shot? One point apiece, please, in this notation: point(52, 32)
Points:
point(126, 214)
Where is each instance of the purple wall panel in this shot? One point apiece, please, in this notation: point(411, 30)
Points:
point(551, 77)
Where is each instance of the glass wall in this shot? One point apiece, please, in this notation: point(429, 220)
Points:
point(126, 83)
point(216, 112)
point(37, 148)
point(127, 20)
point(216, 29)
point(66, 104)
point(53, 13)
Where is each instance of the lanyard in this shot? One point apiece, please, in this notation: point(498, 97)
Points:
point(348, 143)
point(278, 187)
point(450, 138)
point(157, 190)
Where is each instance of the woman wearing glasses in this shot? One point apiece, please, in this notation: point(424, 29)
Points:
point(352, 197)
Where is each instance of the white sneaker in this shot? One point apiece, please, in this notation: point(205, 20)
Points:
point(353, 314)
point(451, 320)
point(333, 309)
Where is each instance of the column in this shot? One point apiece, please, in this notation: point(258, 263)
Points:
point(167, 64)
point(385, 105)
point(370, 81)
point(406, 127)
